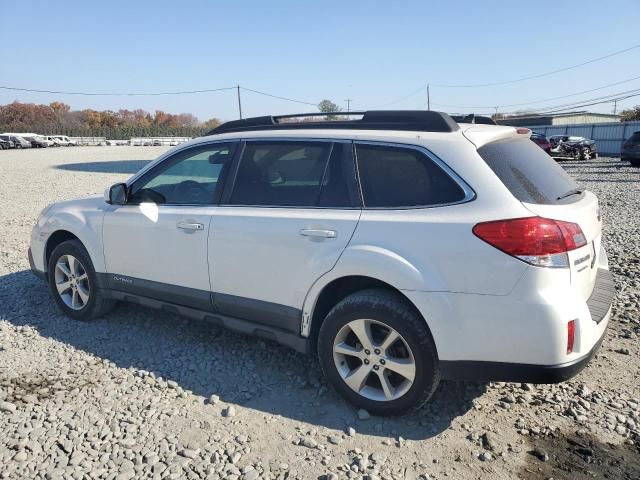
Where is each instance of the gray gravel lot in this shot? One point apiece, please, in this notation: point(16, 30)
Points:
point(145, 394)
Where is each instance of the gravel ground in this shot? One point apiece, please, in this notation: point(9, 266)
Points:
point(145, 394)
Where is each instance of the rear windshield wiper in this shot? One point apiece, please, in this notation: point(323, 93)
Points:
point(575, 191)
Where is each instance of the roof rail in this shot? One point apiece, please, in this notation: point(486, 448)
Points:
point(413, 120)
point(473, 118)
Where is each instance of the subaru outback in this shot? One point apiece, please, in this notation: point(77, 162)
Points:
point(400, 247)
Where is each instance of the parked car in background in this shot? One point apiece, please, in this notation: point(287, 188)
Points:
point(542, 141)
point(38, 141)
point(631, 150)
point(66, 141)
point(576, 148)
point(18, 141)
point(9, 143)
point(5, 145)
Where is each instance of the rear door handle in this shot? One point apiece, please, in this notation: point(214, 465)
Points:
point(190, 226)
point(317, 232)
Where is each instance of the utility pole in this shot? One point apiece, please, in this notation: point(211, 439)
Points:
point(348, 100)
point(239, 102)
point(428, 98)
point(615, 106)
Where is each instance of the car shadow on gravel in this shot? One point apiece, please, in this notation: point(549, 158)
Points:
point(579, 457)
point(207, 360)
point(111, 166)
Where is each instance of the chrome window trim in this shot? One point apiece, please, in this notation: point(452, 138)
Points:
point(469, 193)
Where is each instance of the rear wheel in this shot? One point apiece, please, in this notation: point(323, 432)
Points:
point(378, 353)
point(586, 154)
point(73, 282)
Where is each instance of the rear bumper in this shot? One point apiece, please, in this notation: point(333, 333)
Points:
point(515, 372)
point(599, 307)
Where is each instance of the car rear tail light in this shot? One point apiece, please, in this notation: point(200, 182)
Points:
point(523, 131)
point(571, 335)
point(538, 241)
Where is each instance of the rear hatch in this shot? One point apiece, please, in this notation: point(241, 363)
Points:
point(546, 190)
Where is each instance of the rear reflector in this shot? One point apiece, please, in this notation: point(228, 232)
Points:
point(571, 335)
point(538, 241)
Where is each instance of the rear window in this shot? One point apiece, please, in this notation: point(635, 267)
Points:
point(530, 174)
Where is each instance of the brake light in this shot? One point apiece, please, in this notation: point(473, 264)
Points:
point(523, 131)
point(571, 335)
point(538, 241)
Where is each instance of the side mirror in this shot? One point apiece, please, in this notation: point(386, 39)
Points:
point(116, 194)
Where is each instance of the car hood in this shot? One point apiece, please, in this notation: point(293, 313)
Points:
point(80, 205)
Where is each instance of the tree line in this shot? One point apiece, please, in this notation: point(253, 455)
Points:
point(58, 118)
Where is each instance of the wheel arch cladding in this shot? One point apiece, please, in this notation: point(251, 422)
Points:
point(340, 288)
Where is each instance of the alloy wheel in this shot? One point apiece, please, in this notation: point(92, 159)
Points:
point(72, 282)
point(374, 360)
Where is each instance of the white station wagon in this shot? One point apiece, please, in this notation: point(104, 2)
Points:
point(401, 247)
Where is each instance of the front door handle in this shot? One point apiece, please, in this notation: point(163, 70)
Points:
point(190, 226)
point(317, 232)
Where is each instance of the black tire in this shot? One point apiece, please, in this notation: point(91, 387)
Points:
point(634, 163)
point(390, 309)
point(97, 304)
point(586, 154)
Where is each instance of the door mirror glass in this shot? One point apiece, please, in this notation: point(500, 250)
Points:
point(118, 194)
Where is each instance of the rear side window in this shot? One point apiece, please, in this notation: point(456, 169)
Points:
point(529, 173)
point(403, 177)
point(295, 174)
point(635, 138)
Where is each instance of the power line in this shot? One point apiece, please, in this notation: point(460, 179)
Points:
point(539, 75)
point(279, 97)
point(540, 100)
point(604, 98)
point(116, 94)
point(610, 100)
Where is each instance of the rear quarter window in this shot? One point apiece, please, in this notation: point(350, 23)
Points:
point(529, 173)
point(398, 177)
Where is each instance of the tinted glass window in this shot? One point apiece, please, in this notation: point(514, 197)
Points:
point(190, 177)
point(281, 173)
point(339, 181)
point(527, 171)
point(403, 177)
point(635, 138)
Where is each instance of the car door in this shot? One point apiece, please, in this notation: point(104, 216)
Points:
point(291, 212)
point(156, 244)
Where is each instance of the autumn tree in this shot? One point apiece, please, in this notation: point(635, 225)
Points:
point(327, 106)
point(630, 114)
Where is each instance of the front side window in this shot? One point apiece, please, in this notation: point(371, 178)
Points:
point(281, 173)
point(403, 177)
point(190, 177)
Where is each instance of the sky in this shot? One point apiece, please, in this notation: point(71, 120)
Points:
point(377, 53)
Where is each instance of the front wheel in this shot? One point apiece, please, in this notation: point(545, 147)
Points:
point(378, 353)
point(73, 282)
